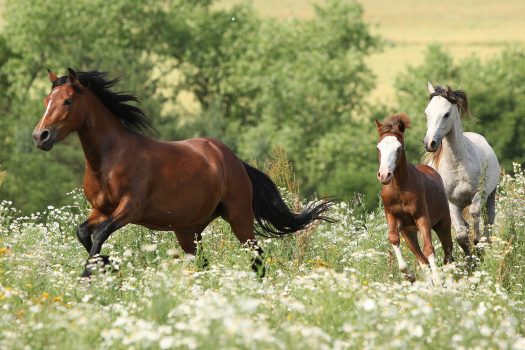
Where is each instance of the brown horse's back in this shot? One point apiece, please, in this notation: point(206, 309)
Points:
point(188, 181)
point(435, 194)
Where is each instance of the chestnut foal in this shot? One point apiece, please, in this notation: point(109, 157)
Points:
point(414, 199)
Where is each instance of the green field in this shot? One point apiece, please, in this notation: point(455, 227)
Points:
point(333, 286)
point(463, 27)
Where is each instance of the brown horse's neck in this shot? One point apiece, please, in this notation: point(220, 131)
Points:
point(400, 178)
point(101, 135)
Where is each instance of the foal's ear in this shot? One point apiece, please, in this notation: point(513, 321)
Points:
point(378, 124)
point(52, 76)
point(73, 78)
point(430, 88)
point(401, 126)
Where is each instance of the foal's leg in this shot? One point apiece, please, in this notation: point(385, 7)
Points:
point(423, 225)
point(413, 244)
point(491, 215)
point(461, 227)
point(443, 229)
point(125, 212)
point(393, 237)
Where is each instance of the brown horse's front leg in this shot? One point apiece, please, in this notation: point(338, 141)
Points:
point(124, 214)
point(85, 230)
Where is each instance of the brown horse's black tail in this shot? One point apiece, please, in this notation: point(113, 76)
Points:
point(274, 217)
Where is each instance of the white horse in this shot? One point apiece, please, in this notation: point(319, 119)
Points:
point(465, 161)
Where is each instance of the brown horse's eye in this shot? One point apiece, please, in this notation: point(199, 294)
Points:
point(68, 102)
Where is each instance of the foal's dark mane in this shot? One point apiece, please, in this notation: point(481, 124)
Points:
point(134, 118)
point(457, 97)
point(395, 124)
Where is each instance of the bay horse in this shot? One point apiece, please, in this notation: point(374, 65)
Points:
point(468, 165)
point(414, 200)
point(178, 186)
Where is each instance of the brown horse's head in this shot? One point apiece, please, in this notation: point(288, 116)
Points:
point(63, 112)
point(390, 146)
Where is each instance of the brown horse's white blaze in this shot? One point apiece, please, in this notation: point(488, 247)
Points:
point(414, 200)
point(176, 186)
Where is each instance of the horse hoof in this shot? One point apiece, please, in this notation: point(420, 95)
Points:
point(258, 267)
point(86, 274)
point(105, 260)
point(202, 263)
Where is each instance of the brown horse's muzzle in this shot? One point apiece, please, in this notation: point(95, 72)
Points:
point(44, 139)
point(384, 177)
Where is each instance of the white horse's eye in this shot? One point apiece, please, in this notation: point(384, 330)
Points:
point(446, 115)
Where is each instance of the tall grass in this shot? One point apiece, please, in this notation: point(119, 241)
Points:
point(335, 286)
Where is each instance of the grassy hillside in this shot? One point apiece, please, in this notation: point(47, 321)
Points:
point(464, 27)
point(334, 286)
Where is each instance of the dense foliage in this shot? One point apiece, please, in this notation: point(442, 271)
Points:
point(496, 96)
point(300, 85)
point(255, 83)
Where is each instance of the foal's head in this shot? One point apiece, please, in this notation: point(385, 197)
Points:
point(63, 112)
point(446, 106)
point(391, 144)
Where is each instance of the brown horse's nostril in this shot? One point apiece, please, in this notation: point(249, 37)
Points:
point(378, 174)
point(44, 136)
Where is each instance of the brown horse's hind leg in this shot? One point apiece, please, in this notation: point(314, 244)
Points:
point(240, 217)
point(443, 231)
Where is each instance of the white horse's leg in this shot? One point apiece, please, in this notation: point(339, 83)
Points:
point(461, 227)
point(491, 215)
point(475, 212)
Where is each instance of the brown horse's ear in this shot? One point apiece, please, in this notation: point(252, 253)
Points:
point(73, 78)
point(52, 76)
point(378, 124)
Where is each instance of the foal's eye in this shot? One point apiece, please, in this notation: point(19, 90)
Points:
point(446, 115)
point(68, 102)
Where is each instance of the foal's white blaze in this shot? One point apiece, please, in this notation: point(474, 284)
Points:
point(47, 108)
point(400, 261)
point(388, 148)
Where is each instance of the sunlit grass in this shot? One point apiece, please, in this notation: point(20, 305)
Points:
point(335, 286)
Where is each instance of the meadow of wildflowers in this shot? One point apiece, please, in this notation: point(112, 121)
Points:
point(333, 286)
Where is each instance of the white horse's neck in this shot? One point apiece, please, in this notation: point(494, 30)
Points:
point(454, 147)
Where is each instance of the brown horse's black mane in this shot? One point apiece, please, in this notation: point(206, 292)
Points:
point(134, 118)
point(457, 97)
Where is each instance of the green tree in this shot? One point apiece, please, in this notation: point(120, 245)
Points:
point(495, 89)
point(258, 83)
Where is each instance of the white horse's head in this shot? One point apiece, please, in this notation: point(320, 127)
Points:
point(443, 111)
